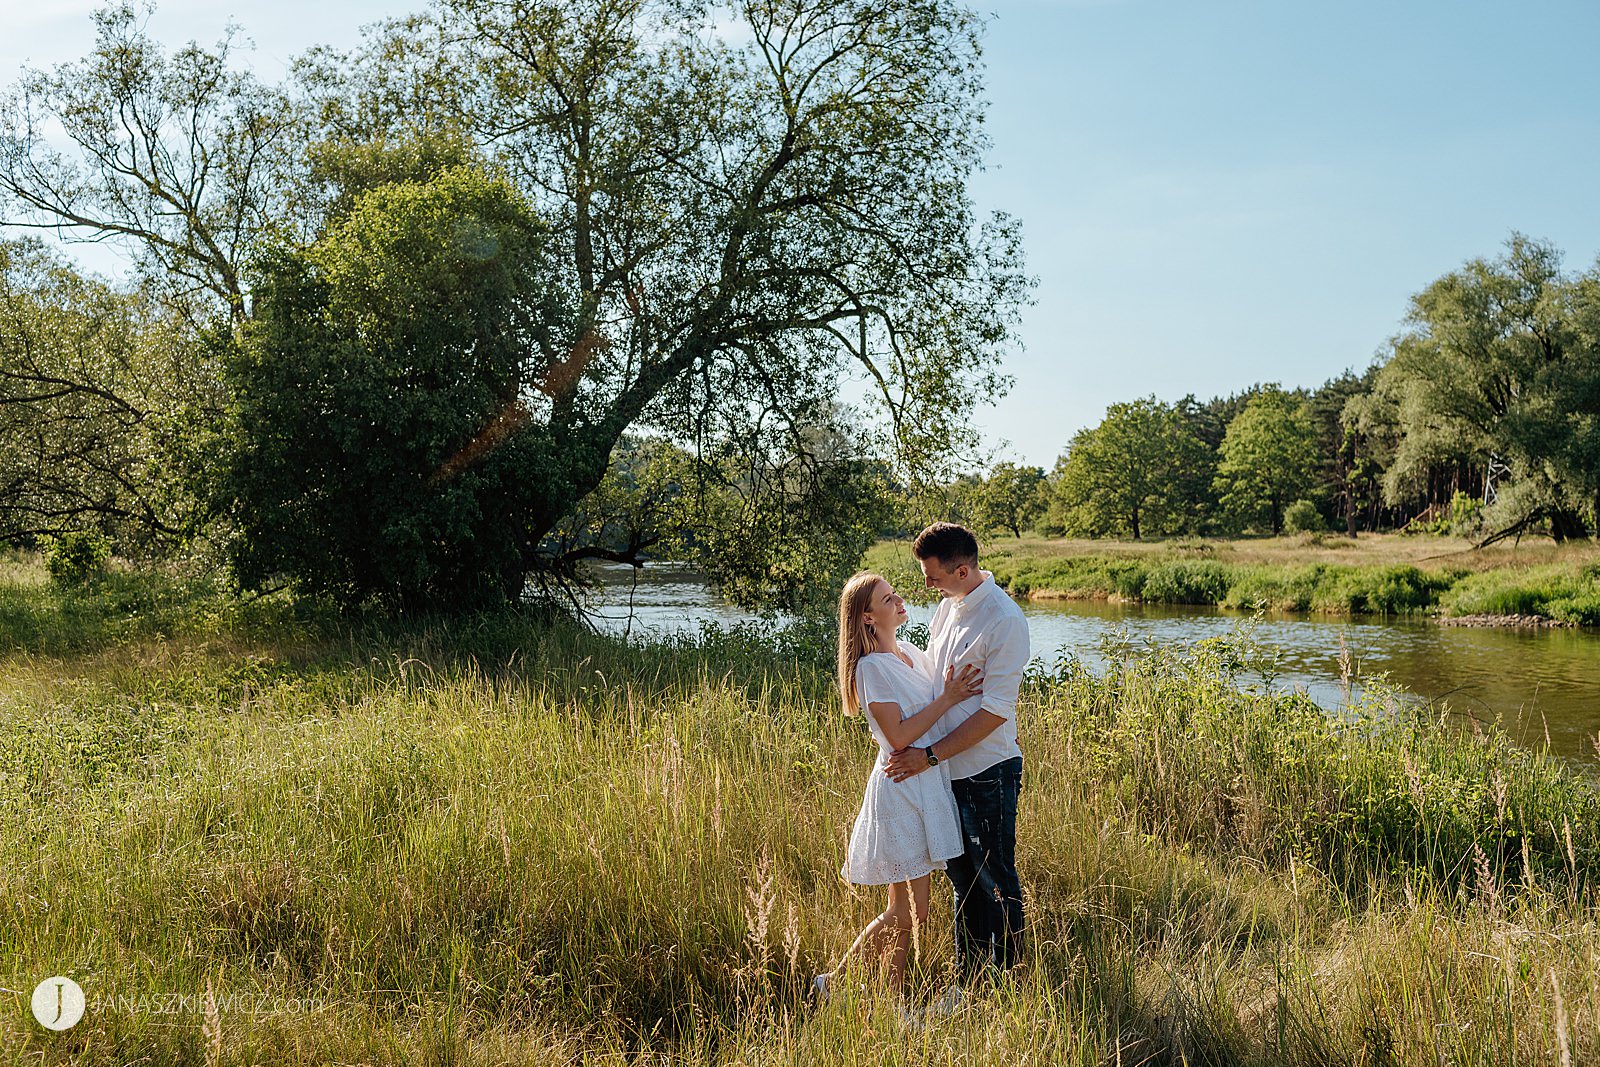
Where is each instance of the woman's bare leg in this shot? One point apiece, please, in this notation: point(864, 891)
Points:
point(888, 937)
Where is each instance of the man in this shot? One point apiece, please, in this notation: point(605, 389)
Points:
point(976, 623)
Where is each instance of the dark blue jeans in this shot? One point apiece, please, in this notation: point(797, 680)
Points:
point(988, 917)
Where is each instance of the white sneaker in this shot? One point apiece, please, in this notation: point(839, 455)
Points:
point(910, 1018)
point(820, 991)
point(946, 1004)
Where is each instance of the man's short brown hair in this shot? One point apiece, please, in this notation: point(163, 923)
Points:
point(948, 543)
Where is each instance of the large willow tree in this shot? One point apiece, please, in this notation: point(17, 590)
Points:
point(740, 209)
point(1500, 366)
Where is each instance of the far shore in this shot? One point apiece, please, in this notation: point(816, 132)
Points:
point(1533, 582)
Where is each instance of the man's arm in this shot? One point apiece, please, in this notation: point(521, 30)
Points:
point(914, 760)
point(1003, 668)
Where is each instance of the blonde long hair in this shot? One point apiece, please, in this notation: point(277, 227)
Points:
point(856, 638)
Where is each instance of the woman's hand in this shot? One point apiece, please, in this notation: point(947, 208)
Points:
point(958, 687)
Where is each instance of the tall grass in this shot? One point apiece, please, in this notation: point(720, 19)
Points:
point(1566, 594)
point(507, 840)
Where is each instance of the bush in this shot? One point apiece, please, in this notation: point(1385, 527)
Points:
point(408, 335)
point(1302, 517)
point(1397, 590)
point(1582, 609)
point(1466, 515)
point(1186, 582)
point(1552, 591)
point(77, 558)
point(1275, 589)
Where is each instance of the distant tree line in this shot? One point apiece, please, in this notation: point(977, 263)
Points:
point(1483, 419)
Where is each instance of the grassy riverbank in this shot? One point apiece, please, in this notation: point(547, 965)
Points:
point(1380, 575)
point(505, 840)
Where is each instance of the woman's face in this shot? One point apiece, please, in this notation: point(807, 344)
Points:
point(887, 609)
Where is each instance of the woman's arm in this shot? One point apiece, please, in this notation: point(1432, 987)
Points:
point(902, 732)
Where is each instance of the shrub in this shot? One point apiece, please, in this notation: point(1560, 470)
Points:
point(1399, 589)
point(1582, 609)
point(1302, 517)
point(1187, 582)
point(1466, 515)
point(1555, 591)
point(408, 339)
point(77, 558)
point(1276, 589)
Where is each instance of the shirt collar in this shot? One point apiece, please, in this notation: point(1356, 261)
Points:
point(977, 596)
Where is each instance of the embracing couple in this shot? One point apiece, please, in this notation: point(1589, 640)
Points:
point(943, 793)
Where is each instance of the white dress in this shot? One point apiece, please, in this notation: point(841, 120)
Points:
point(909, 828)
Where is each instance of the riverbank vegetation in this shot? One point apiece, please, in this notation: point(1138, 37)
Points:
point(508, 840)
point(1377, 574)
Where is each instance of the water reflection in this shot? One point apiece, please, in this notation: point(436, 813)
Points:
point(1533, 683)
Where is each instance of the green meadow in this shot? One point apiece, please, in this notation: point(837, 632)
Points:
point(1378, 574)
point(257, 834)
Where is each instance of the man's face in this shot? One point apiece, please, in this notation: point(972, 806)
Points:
point(949, 582)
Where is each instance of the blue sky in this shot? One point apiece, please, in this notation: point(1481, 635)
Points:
point(1212, 194)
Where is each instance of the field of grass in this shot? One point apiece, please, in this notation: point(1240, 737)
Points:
point(1386, 574)
point(259, 836)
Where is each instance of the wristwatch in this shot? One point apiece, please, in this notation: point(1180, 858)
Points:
point(932, 759)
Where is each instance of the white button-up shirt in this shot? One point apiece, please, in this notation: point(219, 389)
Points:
point(985, 628)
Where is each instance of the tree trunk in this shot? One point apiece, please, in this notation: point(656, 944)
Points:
point(1136, 524)
point(1565, 524)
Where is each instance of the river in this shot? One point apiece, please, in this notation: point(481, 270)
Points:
point(1534, 683)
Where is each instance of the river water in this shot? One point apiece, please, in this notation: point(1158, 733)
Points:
point(1535, 684)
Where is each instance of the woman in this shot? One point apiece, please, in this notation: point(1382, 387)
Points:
point(905, 830)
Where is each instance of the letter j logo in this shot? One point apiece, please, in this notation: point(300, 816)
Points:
point(58, 1003)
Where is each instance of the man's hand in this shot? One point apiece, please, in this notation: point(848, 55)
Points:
point(905, 762)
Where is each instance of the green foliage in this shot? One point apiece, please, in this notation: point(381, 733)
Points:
point(1093, 577)
point(1501, 364)
point(1372, 589)
point(1267, 458)
point(1466, 515)
point(345, 167)
point(721, 292)
point(1302, 517)
point(794, 544)
point(376, 447)
point(1011, 497)
point(1395, 590)
point(182, 158)
point(105, 402)
point(1383, 792)
point(423, 402)
point(1186, 582)
point(125, 607)
point(1134, 474)
point(76, 558)
point(1462, 518)
point(1553, 592)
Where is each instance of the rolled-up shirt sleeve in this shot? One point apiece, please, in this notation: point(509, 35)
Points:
point(1003, 666)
